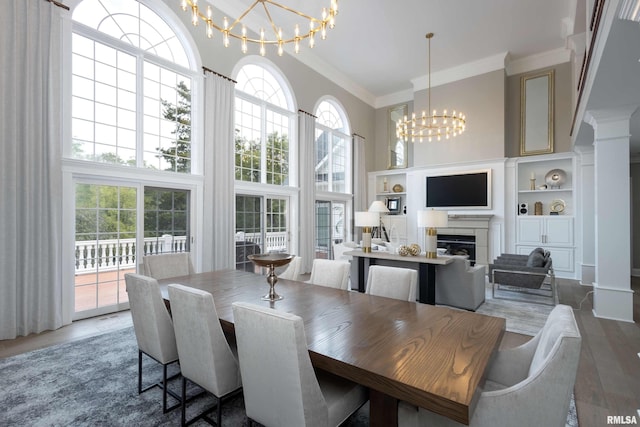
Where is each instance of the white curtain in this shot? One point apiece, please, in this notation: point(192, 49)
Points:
point(307, 126)
point(219, 201)
point(30, 168)
point(359, 174)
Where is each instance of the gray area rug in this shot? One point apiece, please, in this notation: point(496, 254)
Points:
point(524, 317)
point(93, 382)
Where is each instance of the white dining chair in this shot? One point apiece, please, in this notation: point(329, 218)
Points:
point(529, 385)
point(330, 273)
point(293, 269)
point(162, 266)
point(206, 358)
point(281, 387)
point(153, 327)
point(392, 282)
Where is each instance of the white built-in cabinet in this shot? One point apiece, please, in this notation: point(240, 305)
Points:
point(554, 233)
point(387, 184)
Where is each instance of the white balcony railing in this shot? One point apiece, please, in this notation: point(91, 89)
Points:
point(107, 255)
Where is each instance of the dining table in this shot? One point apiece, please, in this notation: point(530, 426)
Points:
point(430, 356)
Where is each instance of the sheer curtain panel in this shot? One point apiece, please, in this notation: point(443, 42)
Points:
point(219, 203)
point(30, 169)
point(307, 126)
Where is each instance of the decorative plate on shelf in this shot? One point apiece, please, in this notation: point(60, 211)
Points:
point(557, 206)
point(397, 188)
point(555, 178)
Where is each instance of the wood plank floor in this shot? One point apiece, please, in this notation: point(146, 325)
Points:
point(607, 384)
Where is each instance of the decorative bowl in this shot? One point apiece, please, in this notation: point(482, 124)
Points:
point(555, 178)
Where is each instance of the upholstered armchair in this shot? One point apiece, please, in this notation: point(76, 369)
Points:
point(524, 272)
point(460, 285)
point(529, 385)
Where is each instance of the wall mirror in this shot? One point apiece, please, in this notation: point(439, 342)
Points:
point(536, 113)
point(398, 152)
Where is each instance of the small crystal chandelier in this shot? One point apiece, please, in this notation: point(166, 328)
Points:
point(238, 30)
point(430, 126)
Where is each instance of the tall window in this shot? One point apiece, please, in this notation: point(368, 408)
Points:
point(332, 177)
point(333, 150)
point(131, 96)
point(263, 123)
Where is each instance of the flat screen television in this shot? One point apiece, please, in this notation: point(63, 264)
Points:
point(468, 190)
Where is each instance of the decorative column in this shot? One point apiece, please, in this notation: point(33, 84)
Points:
point(613, 297)
point(586, 241)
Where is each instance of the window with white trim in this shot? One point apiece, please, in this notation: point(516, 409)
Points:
point(131, 88)
point(263, 123)
point(332, 150)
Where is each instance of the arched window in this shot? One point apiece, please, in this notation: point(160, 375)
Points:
point(131, 88)
point(332, 176)
point(333, 149)
point(263, 123)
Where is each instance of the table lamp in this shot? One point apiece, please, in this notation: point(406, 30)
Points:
point(366, 220)
point(379, 207)
point(430, 220)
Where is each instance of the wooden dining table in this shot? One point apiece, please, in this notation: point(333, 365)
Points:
point(429, 356)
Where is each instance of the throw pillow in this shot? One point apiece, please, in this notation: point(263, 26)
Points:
point(536, 259)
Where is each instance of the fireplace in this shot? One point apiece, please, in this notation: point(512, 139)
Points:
point(469, 233)
point(455, 244)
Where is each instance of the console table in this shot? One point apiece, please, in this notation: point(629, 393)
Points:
point(426, 269)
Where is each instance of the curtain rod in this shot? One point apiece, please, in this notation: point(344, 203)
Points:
point(218, 74)
point(360, 136)
point(57, 3)
point(307, 113)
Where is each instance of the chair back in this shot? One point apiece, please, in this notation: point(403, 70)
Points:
point(162, 266)
point(338, 252)
point(205, 355)
point(279, 384)
point(560, 329)
point(392, 282)
point(151, 320)
point(293, 270)
point(330, 273)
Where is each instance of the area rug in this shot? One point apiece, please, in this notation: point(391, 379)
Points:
point(93, 382)
point(524, 317)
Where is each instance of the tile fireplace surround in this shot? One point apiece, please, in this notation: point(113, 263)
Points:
point(471, 225)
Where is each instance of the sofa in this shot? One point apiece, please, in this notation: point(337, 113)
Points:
point(460, 285)
point(524, 272)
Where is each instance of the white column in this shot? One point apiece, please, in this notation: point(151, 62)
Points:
point(586, 223)
point(613, 297)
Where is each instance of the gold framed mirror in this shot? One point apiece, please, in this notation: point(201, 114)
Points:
point(536, 113)
point(398, 150)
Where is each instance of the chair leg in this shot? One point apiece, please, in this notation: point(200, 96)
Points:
point(164, 389)
point(219, 412)
point(139, 371)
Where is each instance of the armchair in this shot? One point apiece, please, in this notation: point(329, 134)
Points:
point(460, 285)
point(524, 272)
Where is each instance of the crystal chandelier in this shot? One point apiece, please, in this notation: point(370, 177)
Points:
point(275, 35)
point(434, 125)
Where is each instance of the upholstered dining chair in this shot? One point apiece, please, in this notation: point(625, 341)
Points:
point(293, 269)
point(330, 273)
point(153, 328)
point(162, 266)
point(529, 385)
point(205, 356)
point(392, 282)
point(281, 387)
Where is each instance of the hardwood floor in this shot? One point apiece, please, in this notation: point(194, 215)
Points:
point(607, 383)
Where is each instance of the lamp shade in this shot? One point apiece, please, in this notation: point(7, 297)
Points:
point(433, 219)
point(367, 219)
point(378, 206)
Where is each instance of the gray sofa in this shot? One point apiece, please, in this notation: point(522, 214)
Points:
point(524, 272)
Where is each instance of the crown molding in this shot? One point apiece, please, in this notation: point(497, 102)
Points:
point(538, 61)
